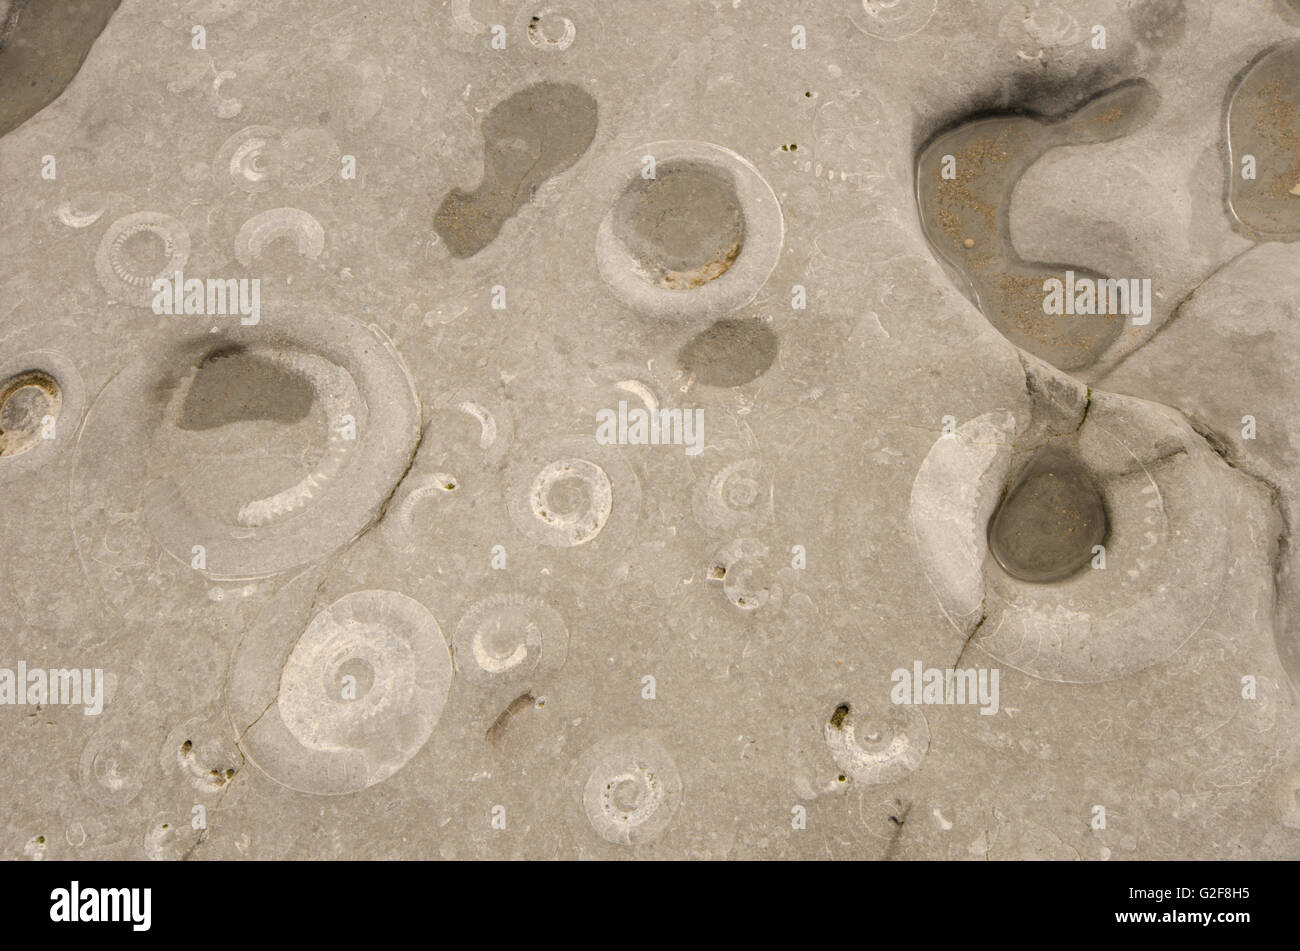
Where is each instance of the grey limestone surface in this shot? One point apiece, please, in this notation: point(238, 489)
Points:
point(330, 334)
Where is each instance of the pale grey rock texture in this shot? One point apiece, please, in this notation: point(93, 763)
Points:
point(363, 580)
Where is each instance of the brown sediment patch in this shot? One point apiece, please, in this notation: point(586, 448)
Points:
point(965, 180)
point(1264, 123)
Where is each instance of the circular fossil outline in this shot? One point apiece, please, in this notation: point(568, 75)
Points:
point(897, 752)
point(466, 33)
point(1039, 28)
point(385, 441)
point(750, 556)
point(581, 22)
point(615, 495)
point(265, 226)
point(62, 371)
point(956, 490)
point(641, 760)
point(398, 526)
point(544, 646)
point(711, 497)
point(278, 704)
point(1033, 627)
point(490, 411)
point(891, 20)
point(741, 281)
point(846, 126)
point(310, 155)
point(236, 159)
point(114, 764)
point(569, 529)
point(119, 281)
point(208, 764)
point(349, 501)
point(339, 398)
point(83, 211)
point(467, 431)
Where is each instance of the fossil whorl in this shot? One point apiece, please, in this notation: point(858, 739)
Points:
point(880, 745)
point(263, 228)
point(630, 789)
point(1149, 588)
point(339, 397)
point(339, 400)
point(891, 20)
point(343, 699)
point(124, 280)
point(138, 454)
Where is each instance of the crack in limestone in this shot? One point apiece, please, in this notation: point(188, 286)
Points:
point(1151, 465)
point(1282, 582)
point(311, 613)
point(1175, 313)
point(1223, 449)
point(971, 636)
point(1087, 408)
point(388, 499)
point(325, 575)
point(257, 719)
